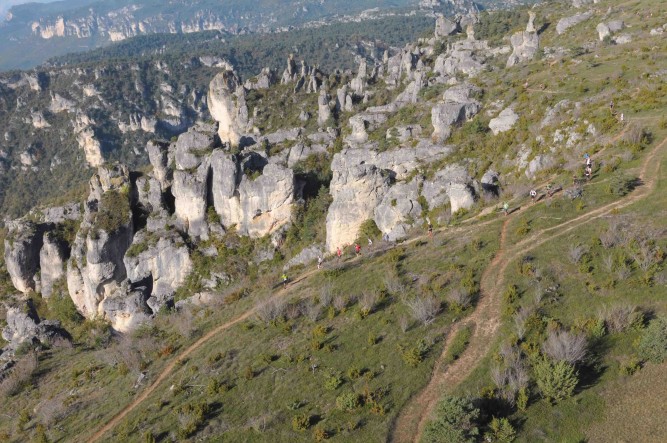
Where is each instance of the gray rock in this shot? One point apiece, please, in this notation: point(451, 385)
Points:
point(158, 156)
point(404, 133)
point(192, 146)
point(226, 102)
point(190, 191)
point(22, 246)
point(61, 214)
point(125, 310)
point(524, 44)
point(537, 164)
point(23, 325)
point(504, 122)
point(607, 29)
point(444, 27)
point(398, 209)
point(567, 22)
point(300, 152)
point(323, 108)
point(225, 180)
point(264, 80)
point(52, 258)
point(306, 256)
point(283, 135)
point(438, 191)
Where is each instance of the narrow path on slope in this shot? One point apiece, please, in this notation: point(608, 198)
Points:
point(487, 316)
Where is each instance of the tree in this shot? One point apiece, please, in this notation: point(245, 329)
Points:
point(456, 422)
point(653, 343)
point(501, 431)
point(556, 381)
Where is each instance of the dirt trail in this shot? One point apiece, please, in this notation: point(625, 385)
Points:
point(485, 320)
point(487, 316)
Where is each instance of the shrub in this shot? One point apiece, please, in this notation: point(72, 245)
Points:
point(415, 355)
point(348, 401)
point(301, 422)
point(653, 342)
point(630, 366)
point(320, 434)
point(113, 212)
point(333, 381)
point(556, 381)
point(500, 430)
point(190, 417)
point(424, 309)
point(368, 229)
point(456, 421)
point(619, 318)
point(565, 346)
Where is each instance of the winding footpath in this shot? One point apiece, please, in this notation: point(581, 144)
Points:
point(486, 319)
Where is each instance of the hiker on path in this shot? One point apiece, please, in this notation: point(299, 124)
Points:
point(533, 195)
point(430, 230)
point(588, 172)
point(506, 207)
point(339, 253)
point(370, 242)
point(284, 277)
point(385, 237)
point(319, 262)
point(357, 249)
point(549, 189)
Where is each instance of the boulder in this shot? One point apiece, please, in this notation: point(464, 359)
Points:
point(356, 190)
point(226, 178)
point(23, 325)
point(323, 109)
point(606, 29)
point(224, 97)
point(567, 22)
point(52, 258)
point(22, 247)
point(306, 256)
point(538, 163)
point(445, 27)
point(192, 146)
point(450, 185)
point(125, 310)
point(504, 122)
point(524, 44)
point(190, 191)
point(264, 80)
point(398, 210)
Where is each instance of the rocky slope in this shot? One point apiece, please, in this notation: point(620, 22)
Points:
point(385, 138)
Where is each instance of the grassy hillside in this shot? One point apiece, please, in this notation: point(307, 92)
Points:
point(483, 314)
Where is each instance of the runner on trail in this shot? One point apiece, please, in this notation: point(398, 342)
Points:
point(588, 172)
point(385, 237)
point(430, 229)
point(533, 195)
point(319, 262)
point(549, 189)
point(357, 249)
point(506, 207)
point(339, 253)
point(370, 242)
point(284, 277)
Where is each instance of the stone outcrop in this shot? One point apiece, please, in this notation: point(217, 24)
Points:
point(445, 27)
point(226, 103)
point(524, 44)
point(398, 209)
point(607, 29)
point(22, 246)
point(264, 80)
point(504, 122)
point(52, 258)
point(458, 106)
point(323, 108)
point(96, 268)
point(356, 190)
point(451, 185)
point(23, 325)
point(567, 22)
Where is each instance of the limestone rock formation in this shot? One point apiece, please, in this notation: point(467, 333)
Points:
point(226, 102)
point(307, 255)
point(264, 80)
point(444, 27)
point(398, 206)
point(23, 325)
point(458, 106)
point(567, 22)
point(450, 185)
point(525, 44)
point(52, 258)
point(356, 190)
point(96, 268)
point(323, 109)
point(504, 122)
point(22, 246)
point(190, 199)
point(607, 29)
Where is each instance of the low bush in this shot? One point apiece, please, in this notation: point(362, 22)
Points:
point(456, 421)
point(653, 342)
point(556, 381)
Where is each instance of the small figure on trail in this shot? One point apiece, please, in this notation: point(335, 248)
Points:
point(385, 237)
point(506, 208)
point(622, 117)
point(319, 262)
point(533, 195)
point(357, 249)
point(611, 106)
point(370, 242)
point(339, 253)
point(549, 189)
point(588, 172)
point(284, 277)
